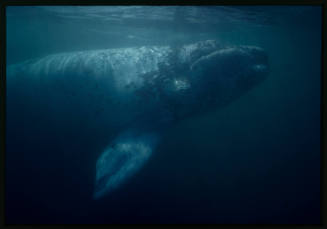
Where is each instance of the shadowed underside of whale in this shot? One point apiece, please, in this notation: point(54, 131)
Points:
point(138, 91)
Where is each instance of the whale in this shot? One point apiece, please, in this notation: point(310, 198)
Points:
point(133, 93)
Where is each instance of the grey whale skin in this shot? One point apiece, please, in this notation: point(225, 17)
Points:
point(135, 93)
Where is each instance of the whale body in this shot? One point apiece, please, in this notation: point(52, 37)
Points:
point(135, 93)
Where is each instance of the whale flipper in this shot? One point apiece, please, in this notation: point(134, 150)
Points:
point(124, 157)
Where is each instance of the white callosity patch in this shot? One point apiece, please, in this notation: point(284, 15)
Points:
point(122, 160)
point(259, 67)
point(181, 84)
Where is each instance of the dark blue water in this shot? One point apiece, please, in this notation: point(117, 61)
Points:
point(255, 161)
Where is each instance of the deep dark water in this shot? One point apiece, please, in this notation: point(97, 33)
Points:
point(254, 161)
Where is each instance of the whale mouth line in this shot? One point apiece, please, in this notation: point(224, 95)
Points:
point(209, 56)
point(259, 58)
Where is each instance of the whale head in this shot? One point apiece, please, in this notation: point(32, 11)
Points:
point(216, 76)
point(240, 67)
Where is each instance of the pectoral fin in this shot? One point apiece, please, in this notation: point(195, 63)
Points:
point(123, 158)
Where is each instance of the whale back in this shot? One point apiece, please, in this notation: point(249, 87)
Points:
point(98, 82)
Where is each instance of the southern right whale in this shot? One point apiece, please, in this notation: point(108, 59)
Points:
point(135, 92)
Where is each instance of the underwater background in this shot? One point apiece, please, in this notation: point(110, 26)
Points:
point(255, 161)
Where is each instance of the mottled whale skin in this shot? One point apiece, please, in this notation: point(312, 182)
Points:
point(135, 92)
